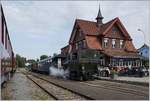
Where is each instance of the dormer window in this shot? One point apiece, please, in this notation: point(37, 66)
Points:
point(113, 43)
point(121, 43)
point(105, 42)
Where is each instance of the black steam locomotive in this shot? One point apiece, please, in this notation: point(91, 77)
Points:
point(78, 68)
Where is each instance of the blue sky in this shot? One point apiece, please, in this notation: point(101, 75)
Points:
point(43, 27)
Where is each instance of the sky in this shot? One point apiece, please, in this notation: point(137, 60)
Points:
point(44, 27)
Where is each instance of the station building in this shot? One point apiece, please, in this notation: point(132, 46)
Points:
point(104, 44)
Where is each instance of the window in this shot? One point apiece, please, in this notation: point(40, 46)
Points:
point(137, 62)
point(120, 62)
point(131, 63)
point(145, 52)
point(121, 43)
point(114, 62)
point(76, 46)
point(105, 42)
point(113, 43)
point(80, 44)
point(128, 63)
point(84, 44)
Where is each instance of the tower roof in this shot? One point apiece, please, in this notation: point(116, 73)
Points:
point(99, 16)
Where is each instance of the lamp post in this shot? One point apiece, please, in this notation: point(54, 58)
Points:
point(143, 34)
point(141, 63)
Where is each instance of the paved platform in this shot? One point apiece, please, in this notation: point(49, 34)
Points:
point(21, 88)
point(135, 79)
point(131, 80)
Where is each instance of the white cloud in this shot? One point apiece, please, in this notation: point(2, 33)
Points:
point(49, 23)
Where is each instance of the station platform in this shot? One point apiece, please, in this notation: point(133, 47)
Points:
point(126, 79)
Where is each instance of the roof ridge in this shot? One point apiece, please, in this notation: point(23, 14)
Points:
point(145, 45)
point(111, 21)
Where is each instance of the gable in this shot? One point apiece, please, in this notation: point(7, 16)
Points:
point(78, 35)
point(120, 26)
point(115, 32)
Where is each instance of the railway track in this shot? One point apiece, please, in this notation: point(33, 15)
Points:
point(118, 87)
point(55, 91)
point(141, 92)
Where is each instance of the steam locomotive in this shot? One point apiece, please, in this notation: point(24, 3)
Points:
point(7, 60)
point(76, 70)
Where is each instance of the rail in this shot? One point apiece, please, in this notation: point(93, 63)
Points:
point(53, 95)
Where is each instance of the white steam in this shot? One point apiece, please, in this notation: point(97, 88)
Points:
point(54, 71)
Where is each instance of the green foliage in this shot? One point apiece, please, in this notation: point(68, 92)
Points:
point(43, 57)
point(145, 63)
point(37, 60)
point(55, 54)
point(31, 61)
point(20, 61)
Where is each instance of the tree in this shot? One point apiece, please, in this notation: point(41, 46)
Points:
point(43, 57)
point(145, 63)
point(31, 61)
point(37, 60)
point(20, 61)
point(55, 54)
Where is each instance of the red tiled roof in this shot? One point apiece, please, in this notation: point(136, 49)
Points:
point(129, 46)
point(119, 53)
point(90, 27)
point(93, 42)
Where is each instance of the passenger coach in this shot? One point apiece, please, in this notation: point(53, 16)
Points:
point(7, 60)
